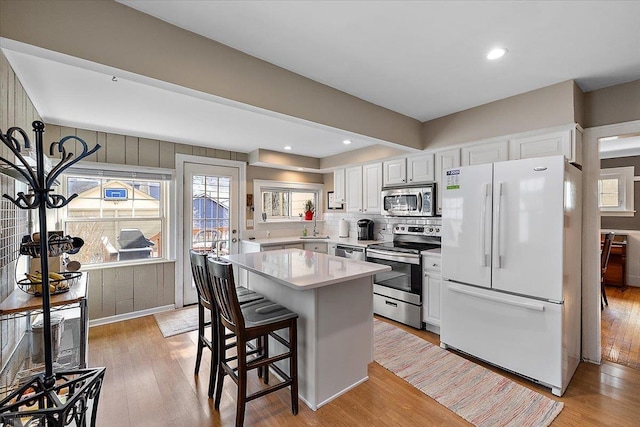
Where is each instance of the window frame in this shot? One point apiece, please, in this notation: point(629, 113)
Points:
point(260, 184)
point(626, 203)
point(166, 178)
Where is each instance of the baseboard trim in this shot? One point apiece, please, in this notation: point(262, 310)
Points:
point(131, 315)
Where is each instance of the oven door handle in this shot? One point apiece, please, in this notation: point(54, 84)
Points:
point(394, 256)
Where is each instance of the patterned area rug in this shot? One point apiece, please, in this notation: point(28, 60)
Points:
point(475, 393)
point(174, 322)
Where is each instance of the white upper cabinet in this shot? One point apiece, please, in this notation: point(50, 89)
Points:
point(395, 172)
point(485, 153)
point(420, 168)
point(353, 181)
point(338, 186)
point(371, 188)
point(363, 186)
point(567, 142)
point(444, 160)
point(409, 170)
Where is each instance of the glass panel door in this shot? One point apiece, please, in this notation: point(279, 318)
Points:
point(210, 215)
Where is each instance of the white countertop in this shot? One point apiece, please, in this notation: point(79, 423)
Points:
point(353, 241)
point(301, 270)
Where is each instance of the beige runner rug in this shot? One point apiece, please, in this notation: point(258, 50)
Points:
point(174, 322)
point(477, 394)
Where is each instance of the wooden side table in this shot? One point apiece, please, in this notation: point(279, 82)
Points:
point(616, 274)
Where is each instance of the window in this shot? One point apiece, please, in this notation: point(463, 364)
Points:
point(615, 191)
point(285, 201)
point(121, 216)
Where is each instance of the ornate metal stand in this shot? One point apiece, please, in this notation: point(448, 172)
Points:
point(49, 399)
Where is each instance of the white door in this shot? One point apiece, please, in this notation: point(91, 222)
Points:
point(528, 227)
point(211, 215)
point(466, 224)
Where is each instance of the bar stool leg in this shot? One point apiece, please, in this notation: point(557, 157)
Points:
point(293, 365)
point(221, 356)
point(200, 333)
point(241, 399)
point(265, 353)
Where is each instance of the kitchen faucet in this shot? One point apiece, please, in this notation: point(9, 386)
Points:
point(315, 219)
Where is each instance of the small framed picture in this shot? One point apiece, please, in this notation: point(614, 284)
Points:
point(331, 202)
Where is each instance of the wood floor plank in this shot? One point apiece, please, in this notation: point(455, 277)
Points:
point(150, 382)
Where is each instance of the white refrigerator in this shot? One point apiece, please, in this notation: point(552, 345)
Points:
point(511, 255)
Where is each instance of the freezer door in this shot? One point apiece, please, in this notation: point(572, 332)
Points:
point(466, 224)
point(528, 226)
point(519, 334)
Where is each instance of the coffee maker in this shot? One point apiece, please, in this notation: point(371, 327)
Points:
point(365, 229)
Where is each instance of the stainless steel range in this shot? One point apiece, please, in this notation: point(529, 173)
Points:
point(397, 294)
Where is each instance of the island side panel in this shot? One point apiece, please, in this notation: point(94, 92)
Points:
point(303, 303)
point(345, 337)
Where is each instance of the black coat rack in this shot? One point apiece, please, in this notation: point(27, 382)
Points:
point(50, 398)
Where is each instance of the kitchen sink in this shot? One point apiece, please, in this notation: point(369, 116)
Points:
point(315, 237)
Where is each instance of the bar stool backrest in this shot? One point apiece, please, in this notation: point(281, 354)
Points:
point(224, 290)
point(199, 271)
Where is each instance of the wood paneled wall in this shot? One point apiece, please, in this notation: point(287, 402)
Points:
point(15, 110)
point(131, 150)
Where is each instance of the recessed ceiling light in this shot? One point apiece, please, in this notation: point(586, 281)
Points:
point(346, 142)
point(287, 147)
point(496, 53)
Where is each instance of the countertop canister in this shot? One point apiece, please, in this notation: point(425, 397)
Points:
point(344, 228)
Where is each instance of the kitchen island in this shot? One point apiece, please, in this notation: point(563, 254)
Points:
point(334, 300)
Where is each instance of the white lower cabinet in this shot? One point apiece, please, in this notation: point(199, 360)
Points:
point(431, 291)
point(320, 247)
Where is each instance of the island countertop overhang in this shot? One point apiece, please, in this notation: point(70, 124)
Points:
point(302, 270)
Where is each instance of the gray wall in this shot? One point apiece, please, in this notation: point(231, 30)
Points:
point(615, 104)
point(538, 109)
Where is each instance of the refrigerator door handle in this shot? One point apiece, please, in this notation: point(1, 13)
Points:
point(499, 225)
point(483, 231)
point(527, 305)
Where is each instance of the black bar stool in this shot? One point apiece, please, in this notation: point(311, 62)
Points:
point(206, 303)
point(251, 321)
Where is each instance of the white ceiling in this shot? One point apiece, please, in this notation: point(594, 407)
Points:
point(422, 59)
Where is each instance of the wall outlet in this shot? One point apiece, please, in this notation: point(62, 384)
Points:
point(249, 223)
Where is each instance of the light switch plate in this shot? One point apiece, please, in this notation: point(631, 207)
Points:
point(249, 223)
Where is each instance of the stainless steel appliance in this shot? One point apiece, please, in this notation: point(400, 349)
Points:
point(352, 252)
point(409, 201)
point(365, 229)
point(397, 294)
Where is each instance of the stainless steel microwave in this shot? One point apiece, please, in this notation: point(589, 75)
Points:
point(409, 201)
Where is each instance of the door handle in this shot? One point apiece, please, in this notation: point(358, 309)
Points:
point(392, 304)
point(234, 240)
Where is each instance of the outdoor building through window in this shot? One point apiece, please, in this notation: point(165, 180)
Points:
point(119, 217)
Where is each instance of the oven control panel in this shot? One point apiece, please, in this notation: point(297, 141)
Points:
point(430, 229)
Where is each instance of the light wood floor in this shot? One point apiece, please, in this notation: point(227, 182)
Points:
point(150, 382)
point(621, 326)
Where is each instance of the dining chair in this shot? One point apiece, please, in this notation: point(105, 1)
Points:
point(206, 304)
point(604, 262)
point(248, 322)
